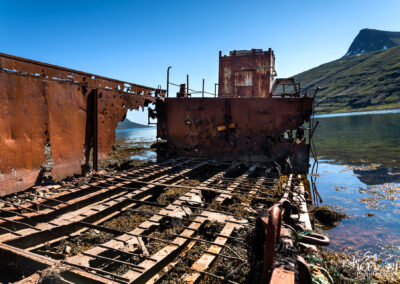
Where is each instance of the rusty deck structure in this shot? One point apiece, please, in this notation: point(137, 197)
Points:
point(229, 196)
point(226, 200)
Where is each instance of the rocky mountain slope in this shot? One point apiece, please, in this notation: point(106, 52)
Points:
point(372, 40)
point(367, 80)
point(126, 123)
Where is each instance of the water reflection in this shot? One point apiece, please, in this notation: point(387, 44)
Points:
point(360, 172)
point(362, 139)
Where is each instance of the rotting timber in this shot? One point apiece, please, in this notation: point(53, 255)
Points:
point(225, 202)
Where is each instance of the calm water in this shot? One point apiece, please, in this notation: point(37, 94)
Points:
point(360, 172)
point(359, 160)
point(139, 138)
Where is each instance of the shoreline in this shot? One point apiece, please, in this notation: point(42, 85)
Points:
point(354, 113)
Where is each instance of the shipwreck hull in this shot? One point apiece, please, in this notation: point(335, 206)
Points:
point(51, 117)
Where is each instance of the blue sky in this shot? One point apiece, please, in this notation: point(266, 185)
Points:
point(137, 40)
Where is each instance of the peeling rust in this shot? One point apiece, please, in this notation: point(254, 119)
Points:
point(45, 106)
point(246, 73)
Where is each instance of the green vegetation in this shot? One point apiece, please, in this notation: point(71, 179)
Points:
point(368, 81)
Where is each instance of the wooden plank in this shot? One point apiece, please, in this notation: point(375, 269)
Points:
point(207, 259)
point(85, 212)
point(81, 198)
point(172, 264)
point(125, 241)
point(170, 251)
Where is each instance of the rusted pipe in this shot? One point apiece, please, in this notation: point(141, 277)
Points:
point(281, 274)
point(304, 273)
point(169, 67)
point(315, 239)
point(187, 84)
point(273, 227)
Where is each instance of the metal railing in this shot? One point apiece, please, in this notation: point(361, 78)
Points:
point(190, 91)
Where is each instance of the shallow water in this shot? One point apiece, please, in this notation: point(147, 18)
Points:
point(359, 170)
point(139, 137)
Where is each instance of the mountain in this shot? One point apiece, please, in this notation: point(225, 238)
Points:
point(365, 81)
point(372, 40)
point(126, 123)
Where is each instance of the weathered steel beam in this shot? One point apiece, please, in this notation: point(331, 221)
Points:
point(64, 105)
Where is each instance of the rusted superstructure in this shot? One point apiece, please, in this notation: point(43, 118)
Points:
point(52, 117)
point(246, 74)
point(254, 119)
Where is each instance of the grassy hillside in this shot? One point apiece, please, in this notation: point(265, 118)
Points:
point(368, 81)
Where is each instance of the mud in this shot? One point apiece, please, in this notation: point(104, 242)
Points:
point(127, 221)
point(80, 243)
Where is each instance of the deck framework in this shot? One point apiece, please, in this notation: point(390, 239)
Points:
point(185, 219)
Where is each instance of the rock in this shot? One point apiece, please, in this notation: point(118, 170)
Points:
point(327, 215)
point(67, 250)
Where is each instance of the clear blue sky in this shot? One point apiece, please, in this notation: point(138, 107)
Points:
point(137, 40)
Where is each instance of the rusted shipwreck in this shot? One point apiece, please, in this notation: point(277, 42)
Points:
point(254, 119)
point(221, 204)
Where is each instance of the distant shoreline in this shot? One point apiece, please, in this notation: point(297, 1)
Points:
point(383, 111)
point(127, 128)
point(128, 124)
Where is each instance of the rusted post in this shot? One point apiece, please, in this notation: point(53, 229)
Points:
point(95, 130)
point(169, 67)
point(187, 84)
point(202, 90)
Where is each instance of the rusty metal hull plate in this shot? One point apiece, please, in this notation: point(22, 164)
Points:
point(23, 114)
point(243, 129)
point(46, 124)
